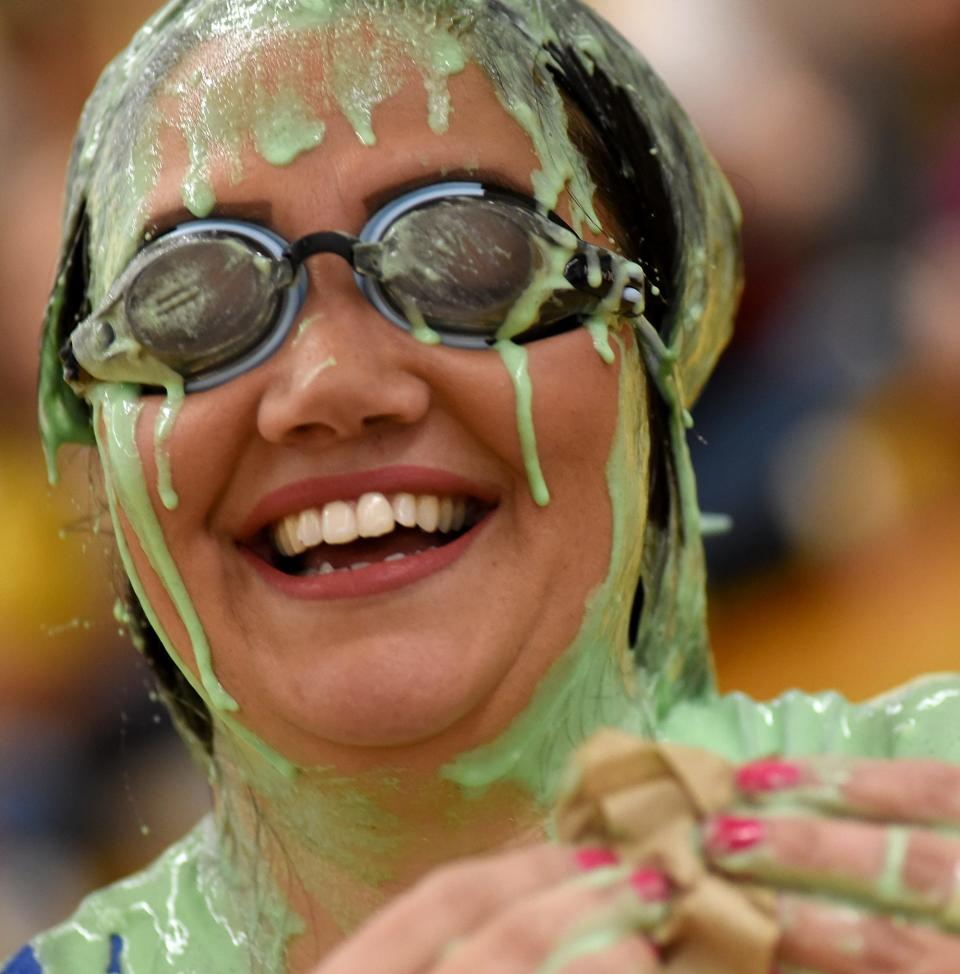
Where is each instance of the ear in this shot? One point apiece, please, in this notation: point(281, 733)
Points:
point(64, 417)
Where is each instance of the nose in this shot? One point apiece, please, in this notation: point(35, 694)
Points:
point(344, 373)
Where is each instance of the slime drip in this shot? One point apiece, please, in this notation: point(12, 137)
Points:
point(515, 359)
point(166, 419)
point(120, 408)
point(116, 409)
point(585, 689)
point(547, 280)
point(419, 328)
point(286, 132)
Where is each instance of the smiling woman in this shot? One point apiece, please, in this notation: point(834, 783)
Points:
point(384, 317)
point(344, 305)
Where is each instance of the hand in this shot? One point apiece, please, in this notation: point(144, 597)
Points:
point(545, 909)
point(878, 838)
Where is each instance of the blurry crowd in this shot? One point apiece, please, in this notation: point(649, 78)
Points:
point(831, 433)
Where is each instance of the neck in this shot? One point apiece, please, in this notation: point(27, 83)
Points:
point(334, 847)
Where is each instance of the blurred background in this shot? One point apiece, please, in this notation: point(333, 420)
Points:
point(831, 433)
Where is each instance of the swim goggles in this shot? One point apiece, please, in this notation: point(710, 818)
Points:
point(460, 263)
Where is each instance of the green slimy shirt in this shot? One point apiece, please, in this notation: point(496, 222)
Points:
point(175, 916)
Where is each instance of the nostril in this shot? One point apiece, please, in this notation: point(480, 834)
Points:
point(375, 423)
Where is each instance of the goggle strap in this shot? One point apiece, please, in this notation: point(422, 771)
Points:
point(577, 273)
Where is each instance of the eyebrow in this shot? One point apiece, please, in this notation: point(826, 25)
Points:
point(261, 211)
point(254, 211)
point(489, 177)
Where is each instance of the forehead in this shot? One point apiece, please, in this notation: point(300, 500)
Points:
point(295, 118)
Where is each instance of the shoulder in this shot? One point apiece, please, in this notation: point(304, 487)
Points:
point(140, 915)
point(919, 719)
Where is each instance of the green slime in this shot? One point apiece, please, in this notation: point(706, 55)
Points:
point(211, 902)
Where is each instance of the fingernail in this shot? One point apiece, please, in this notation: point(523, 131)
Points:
point(729, 834)
point(770, 774)
point(650, 885)
point(596, 858)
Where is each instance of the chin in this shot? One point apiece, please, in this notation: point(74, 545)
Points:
point(389, 706)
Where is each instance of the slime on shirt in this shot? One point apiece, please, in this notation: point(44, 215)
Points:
point(213, 901)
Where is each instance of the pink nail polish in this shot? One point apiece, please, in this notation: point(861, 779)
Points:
point(596, 858)
point(650, 885)
point(770, 774)
point(726, 835)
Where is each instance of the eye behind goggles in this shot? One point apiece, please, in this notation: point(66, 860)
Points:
point(212, 299)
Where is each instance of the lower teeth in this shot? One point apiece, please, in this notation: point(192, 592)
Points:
point(325, 568)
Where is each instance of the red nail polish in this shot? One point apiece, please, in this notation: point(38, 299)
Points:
point(596, 858)
point(728, 834)
point(650, 885)
point(770, 774)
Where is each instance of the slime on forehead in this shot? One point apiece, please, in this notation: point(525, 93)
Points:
point(249, 77)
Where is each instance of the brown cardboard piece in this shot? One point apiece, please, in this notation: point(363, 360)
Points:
point(645, 800)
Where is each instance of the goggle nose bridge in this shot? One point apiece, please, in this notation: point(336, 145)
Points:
point(325, 242)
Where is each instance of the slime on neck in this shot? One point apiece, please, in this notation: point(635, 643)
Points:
point(594, 681)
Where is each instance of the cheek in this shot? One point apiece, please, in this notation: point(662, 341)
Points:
point(576, 403)
point(202, 446)
point(174, 526)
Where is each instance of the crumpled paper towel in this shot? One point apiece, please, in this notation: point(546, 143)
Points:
point(645, 801)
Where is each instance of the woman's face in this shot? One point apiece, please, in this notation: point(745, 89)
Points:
point(442, 649)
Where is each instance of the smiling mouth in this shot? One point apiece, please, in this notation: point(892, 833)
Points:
point(352, 535)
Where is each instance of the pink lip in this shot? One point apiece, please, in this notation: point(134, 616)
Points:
point(318, 491)
point(376, 579)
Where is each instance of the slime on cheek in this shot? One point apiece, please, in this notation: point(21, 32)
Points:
point(116, 412)
point(120, 408)
point(515, 359)
point(166, 420)
point(591, 684)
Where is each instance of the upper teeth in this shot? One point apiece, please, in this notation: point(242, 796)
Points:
point(372, 516)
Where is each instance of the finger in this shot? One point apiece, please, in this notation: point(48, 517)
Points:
point(838, 940)
point(909, 791)
point(565, 928)
point(409, 933)
point(891, 866)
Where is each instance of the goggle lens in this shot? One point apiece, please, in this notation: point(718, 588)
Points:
point(463, 264)
point(204, 303)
